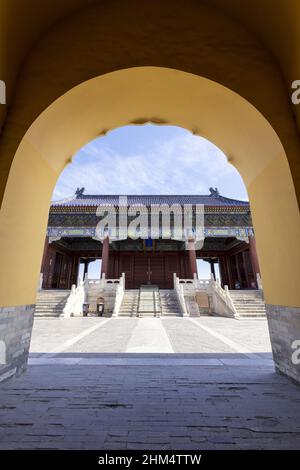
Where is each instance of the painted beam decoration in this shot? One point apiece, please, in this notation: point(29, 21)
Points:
point(175, 217)
point(241, 233)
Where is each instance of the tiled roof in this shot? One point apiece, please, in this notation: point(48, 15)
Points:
point(91, 200)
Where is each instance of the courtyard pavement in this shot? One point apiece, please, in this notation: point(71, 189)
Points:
point(169, 383)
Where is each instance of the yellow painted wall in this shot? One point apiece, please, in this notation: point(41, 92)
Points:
point(23, 219)
point(139, 95)
point(243, 46)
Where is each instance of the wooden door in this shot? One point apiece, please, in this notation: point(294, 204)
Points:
point(125, 266)
point(172, 266)
point(156, 263)
point(140, 270)
point(57, 271)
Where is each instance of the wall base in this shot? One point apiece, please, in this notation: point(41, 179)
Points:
point(15, 335)
point(284, 328)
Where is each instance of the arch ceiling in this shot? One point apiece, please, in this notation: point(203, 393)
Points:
point(45, 52)
point(274, 21)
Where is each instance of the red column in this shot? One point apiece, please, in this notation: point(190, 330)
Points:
point(192, 256)
point(43, 264)
point(44, 253)
point(105, 256)
point(72, 276)
point(245, 269)
point(212, 269)
point(86, 268)
point(229, 271)
point(253, 255)
point(237, 263)
point(223, 271)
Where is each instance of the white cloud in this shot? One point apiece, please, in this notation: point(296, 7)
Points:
point(182, 164)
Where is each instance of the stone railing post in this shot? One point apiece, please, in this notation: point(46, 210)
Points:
point(119, 295)
point(259, 282)
point(180, 295)
point(41, 281)
point(224, 295)
point(102, 281)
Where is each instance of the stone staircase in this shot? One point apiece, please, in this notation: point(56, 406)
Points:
point(50, 303)
point(248, 303)
point(169, 303)
point(149, 301)
point(129, 305)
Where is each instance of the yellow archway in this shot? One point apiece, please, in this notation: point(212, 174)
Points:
point(163, 96)
point(137, 96)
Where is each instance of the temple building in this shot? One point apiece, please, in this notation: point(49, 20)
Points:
point(73, 242)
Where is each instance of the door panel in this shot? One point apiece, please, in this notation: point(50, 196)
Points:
point(126, 263)
point(157, 270)
point(57, 271)
point(140, 270)
point(154, 268)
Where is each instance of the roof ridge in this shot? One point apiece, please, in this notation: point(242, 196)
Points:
point(141, 195)
point(88, 196)
point(212, 200)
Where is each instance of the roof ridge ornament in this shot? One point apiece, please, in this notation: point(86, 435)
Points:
point(214, 192)
point(79, 192)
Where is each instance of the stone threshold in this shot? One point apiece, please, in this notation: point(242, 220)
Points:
point(150, 361)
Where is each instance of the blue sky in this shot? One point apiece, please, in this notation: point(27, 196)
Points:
point(150, 160)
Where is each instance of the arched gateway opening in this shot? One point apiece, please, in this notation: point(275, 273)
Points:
point(162, 96)
point(170, 176)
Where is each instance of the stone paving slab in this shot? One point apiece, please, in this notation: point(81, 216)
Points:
point(229, 335)
point(185, 336)
point(160, 361)
point(50, 333)
point(133, 407)
point(251, 333)
point(149, 336)
point(180, 335)
point(85, 390)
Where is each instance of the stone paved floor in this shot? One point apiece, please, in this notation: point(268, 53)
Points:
point(204, 383)
point(152, 335)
